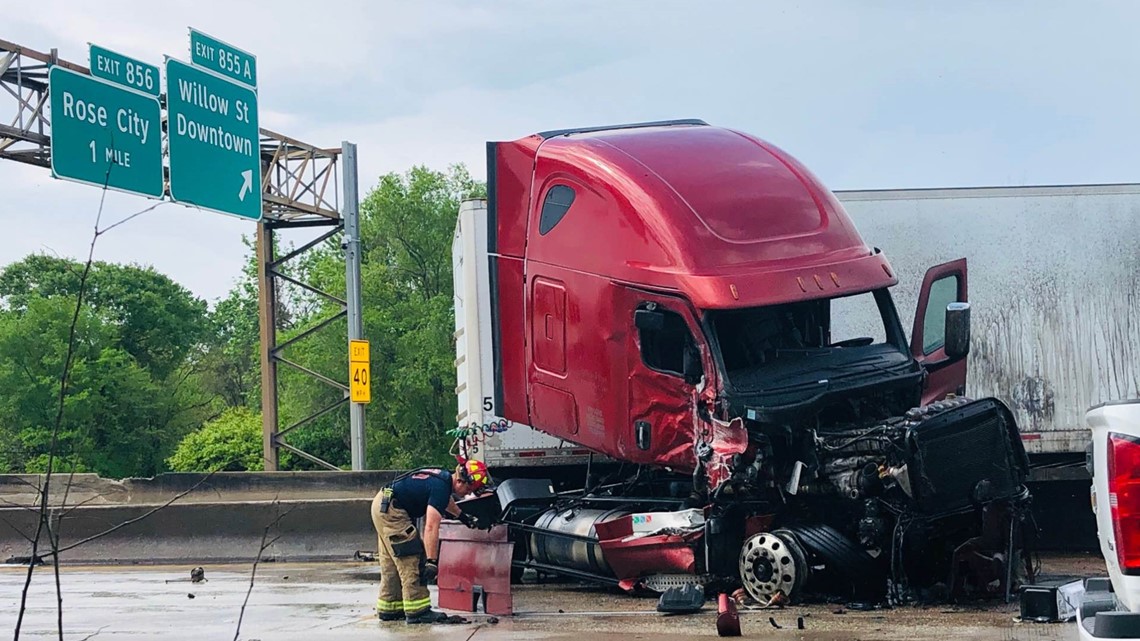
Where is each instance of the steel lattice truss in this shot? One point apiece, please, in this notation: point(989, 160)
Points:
point(297, 179)
point(301, 189)
point(24, 128)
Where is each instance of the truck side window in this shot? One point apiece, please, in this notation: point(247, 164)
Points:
point(664, 349)
point(942, 292)
point(554, 207)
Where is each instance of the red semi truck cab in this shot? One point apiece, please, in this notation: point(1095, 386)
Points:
point(655, 287)
point(692, 303)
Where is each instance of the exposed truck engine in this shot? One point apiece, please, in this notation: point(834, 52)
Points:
point(695, 310)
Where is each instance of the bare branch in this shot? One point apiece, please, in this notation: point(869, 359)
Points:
point(44, 508)
point(45, 490)
point(53, 539)
point(94, 634)
point(27, 508)
point(132, 217)
point(35, 486)
point(266, 542)
point(78, 505)
point(124, 524)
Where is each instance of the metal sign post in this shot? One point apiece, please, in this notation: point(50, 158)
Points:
point(350, 213)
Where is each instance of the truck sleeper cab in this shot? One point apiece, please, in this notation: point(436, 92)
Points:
point(710, 228)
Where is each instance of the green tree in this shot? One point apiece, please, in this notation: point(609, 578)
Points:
point(406, 227)
point(133, 390)
point(231, 442)
point(231, 361)
point(157, 321)
point(117, 420)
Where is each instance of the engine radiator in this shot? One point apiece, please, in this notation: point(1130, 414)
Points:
point(965, 457)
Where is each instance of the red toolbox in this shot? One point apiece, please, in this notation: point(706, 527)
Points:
point(474, 567)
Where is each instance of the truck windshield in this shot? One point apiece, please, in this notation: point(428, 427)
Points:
point(767, 347)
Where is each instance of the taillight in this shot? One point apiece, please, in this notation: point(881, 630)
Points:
point(1124, 499)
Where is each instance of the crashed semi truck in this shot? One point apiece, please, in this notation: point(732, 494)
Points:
point(690, 312)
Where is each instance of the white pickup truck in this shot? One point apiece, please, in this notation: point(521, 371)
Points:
point(1111, 610)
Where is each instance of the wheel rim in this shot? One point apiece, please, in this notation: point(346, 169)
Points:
point(769, 564)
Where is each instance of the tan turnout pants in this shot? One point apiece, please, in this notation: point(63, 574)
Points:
point(400, 588)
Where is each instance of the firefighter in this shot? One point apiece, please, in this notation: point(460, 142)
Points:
point(408, 563)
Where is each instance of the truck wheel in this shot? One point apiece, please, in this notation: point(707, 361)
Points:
point(772, 563)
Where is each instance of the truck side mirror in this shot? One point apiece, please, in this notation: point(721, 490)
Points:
point(957, 330)
point(649, 320)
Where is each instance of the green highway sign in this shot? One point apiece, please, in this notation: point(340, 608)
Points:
point(104, 135)
point(120, 69)
point(213, 137)
point(210, 53)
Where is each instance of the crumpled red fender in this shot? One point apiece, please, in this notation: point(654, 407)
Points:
point(722, 440)
point(679, 447)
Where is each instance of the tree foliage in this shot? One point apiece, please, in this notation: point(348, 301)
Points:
point(406, 226)
point(160, 381)
point(132, 391)
point(231, 359)
point(230, 443)
point(157, 321)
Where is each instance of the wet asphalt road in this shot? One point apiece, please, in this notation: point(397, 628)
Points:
point(335, 601)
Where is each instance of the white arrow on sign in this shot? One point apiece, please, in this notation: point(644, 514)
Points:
point(247, 185)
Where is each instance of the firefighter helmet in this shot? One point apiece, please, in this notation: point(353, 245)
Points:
point(475, 474)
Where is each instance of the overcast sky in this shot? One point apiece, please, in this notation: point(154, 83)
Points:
point(867, 94)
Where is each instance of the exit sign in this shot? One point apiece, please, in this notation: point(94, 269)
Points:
point(222, 58)
point(123, 70)
point(104, 135)
point(359, 372)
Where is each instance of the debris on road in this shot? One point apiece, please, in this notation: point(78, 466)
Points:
point(727, 618)
point(686, 599)
point(745, 601)
point(330, 601)
point(197, 575)
point(1051, 602)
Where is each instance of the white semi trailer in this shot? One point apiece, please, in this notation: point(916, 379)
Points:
point(1054, 285)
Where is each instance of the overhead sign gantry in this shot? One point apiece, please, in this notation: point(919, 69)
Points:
point(104, 126)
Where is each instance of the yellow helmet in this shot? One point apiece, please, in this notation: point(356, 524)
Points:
point(475, 474)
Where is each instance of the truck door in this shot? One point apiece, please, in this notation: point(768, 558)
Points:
point(943, 284)
point(667, 359)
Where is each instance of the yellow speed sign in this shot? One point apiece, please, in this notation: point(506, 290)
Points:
point(359, 374)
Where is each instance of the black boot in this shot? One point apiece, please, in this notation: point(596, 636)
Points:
point(391, 616)
point(431, 616)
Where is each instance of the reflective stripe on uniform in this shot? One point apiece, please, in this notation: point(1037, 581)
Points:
point(389, 606)
point(412, 607)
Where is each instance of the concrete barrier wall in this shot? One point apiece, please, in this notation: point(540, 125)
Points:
point(311, 530)
point(220, 519)
point(90, 489)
